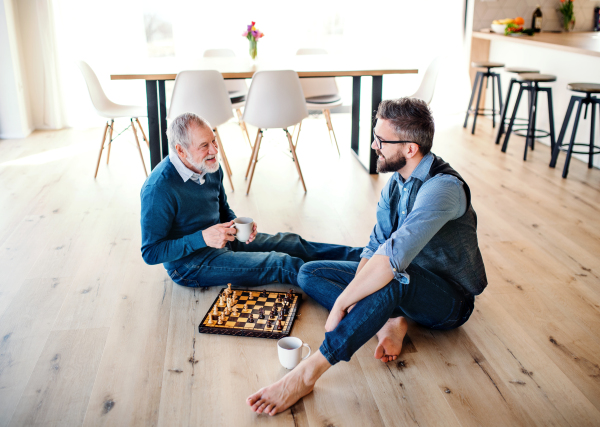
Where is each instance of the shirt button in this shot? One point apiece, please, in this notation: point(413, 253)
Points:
point(403, 212)
point(405, 189)
point(394, 269)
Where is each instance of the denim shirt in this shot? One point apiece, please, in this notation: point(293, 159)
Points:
point(439, 200)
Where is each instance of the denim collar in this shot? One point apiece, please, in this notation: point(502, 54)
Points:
point(185, 172)
point(420, 172)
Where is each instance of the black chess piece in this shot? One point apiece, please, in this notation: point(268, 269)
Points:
point(286, 310)
point(263, 294)
point(251, 318)
point(279, 325)
point(269, 323)
point(261, 313)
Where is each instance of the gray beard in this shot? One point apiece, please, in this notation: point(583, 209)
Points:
point(393, 164)
point(202, 167)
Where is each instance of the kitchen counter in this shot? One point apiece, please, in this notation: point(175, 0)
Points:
point(585, 43)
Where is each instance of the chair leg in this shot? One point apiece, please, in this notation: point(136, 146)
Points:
point(551, 119)
point(101, 148)
point(139, 148)
point(477, 105)
point(563, 130)
point(289, 137)
point(572, 143)
point(493, 101)
point(224, 157)
point(254, 158)
point(327, 115)
point(531, 126)
point(298, 136)
point(142, 130)
point(243, 127)
point(512, 120)
point(112, 126)
point(499, 91)
point(472, 96)
point(592, 135)
point(504, 108)
point(258, 133)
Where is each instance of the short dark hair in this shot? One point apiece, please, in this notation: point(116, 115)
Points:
point(411, 119)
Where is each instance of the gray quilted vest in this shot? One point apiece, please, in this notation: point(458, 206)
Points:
point(453, 252)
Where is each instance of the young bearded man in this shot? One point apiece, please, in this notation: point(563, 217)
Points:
point(186, 221)
point(422, 261)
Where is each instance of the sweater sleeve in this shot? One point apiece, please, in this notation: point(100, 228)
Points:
point(158, 213)
point(225, 212)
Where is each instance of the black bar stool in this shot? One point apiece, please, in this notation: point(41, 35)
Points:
point(479, 80)
point(588, 89)
point(534, 79)
point(522, 122)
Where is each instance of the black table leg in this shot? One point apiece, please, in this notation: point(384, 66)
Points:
point(376, 95)
point(153, 123)
point(355, 113)
point(162, 99)
point(375, 101)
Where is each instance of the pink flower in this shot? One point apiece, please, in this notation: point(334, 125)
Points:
point(245, 34)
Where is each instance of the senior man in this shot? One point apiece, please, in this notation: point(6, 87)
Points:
point(187, 222)
point(422, 261)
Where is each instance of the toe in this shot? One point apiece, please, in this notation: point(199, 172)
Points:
point(251, 400)
point(261, 408)
point(379, 352)
point(273, 411)
point(269, 408)
point(257, 405)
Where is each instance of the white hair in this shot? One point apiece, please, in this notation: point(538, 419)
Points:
point(178, 132)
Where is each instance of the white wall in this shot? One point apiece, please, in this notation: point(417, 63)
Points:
point(15, 120)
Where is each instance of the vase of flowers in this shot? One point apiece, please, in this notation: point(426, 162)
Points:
point(568, 14)
point(253, 35)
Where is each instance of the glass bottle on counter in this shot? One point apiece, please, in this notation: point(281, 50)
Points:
point(536, 20)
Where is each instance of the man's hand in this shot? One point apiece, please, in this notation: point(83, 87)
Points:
point(218, 235)
point(253, 235)
point(335, 317)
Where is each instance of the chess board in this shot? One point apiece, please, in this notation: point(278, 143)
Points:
point(239, 326)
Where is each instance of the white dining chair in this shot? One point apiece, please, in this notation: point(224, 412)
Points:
point(321, 93)
point(110, 110)
point(203, 92)
point(275, 100)
point(427, 86)
point(237, 89)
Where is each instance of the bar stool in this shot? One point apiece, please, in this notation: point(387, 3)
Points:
point(534, 79)
point(588, 89)
point(523, 123)
point(479, 79)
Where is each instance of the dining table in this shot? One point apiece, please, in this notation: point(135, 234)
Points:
point(363, 70)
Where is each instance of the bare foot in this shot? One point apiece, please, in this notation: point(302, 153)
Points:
point(390, 339)
point(291, 388)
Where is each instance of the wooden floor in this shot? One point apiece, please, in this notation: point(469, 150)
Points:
point(90, 335)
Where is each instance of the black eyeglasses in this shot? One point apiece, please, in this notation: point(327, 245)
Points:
point(380, 141)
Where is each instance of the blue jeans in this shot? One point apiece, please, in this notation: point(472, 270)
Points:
point(427, 299)
point(268, 259)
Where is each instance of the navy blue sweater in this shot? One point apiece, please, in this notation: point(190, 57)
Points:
point(175, 212)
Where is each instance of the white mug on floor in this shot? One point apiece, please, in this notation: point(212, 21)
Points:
point(290, 351)
point(244, 227)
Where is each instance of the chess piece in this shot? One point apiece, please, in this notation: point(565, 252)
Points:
point(261, 313)
point(215, 311)
point(278, 298)
point(245, 306)
point(275, 310)
point(263, 293)
point(226, 311)
point(269, 323)
point(251, 318)
point(221, 301)
point(271, 315)
point(285, 310)
point(250, 296)
point(229, 288)
point(210, 319)
point(229, 303)
point(279, 325)
point(280, 317)
point(220, 321)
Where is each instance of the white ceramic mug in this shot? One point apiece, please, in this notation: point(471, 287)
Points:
point(244, 227)
point(290, 351)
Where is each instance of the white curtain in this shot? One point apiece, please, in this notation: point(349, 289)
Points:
point(38, 35)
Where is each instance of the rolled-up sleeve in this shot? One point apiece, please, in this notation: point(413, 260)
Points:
point(440, 199)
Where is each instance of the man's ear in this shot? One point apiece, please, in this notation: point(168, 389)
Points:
point(412, 150)
point(180, 151)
